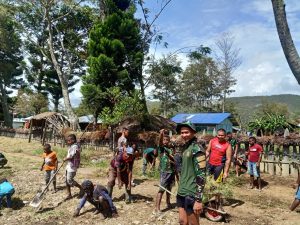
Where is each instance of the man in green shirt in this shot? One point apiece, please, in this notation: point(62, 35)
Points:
point(192, 177)
point(234, 146)
point(166, 167)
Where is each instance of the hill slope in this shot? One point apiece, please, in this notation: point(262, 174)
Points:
point(246, 106)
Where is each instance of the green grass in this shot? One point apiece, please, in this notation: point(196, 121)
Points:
point(17, 150)
point(6, 173)
point(103, 164)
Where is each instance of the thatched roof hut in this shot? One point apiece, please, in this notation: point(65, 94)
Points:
point(156, 123)
point(48, 120)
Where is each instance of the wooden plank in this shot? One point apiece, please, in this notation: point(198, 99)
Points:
point(285, 166)
point(278, 170)
point(271, 165)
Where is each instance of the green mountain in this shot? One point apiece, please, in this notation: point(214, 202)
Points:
point(246, 106)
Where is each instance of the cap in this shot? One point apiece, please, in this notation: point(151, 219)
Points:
point(129, 150)
point(185, 124)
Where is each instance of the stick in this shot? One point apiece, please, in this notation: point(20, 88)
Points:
point(221, 212)
point(165, 189)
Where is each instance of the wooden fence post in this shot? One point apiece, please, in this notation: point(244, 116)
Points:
point(30, 132)
point(285, 161)
point(271, 164)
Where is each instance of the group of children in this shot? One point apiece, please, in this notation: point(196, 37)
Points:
point(120, 172)
point(97, 195)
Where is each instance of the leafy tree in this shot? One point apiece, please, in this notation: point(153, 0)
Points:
point(228, 61)
point(272, 108)
point(64, 26)
point(199, 82)
point(53, 86)
point(269, 123)
point(36, 67)
point(30, 103)
point(285, 38)
point(114, 58)
point(269, 117)
point(123, 106)
point(10, 59)
point(150, 35)
point(163, 75)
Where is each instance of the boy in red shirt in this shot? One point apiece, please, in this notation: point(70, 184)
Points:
point(254, 158)
point(49, 165)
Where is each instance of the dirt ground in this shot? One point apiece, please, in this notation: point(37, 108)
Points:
point(247, 207)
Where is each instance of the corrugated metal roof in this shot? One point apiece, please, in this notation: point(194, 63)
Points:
point(201, 118)
point(88, 119)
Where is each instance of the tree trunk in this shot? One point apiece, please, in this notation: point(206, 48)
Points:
point(56, 103)
point(62, 77)
point(223, 101)
point(7, 117)
point(285, 37)
point(102, 10)
point(144, 102)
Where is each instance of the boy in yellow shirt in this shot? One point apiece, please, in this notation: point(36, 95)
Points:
point(49, 165)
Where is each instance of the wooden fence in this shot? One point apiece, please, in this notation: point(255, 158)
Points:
point(55, 139)
point(278, 159)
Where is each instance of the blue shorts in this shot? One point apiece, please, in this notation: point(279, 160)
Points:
point(253, 170)
point(166, 180)
point(298, 193)
point(186, 202)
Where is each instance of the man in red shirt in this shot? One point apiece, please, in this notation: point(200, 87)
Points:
point(219, 153)
point(254, 158)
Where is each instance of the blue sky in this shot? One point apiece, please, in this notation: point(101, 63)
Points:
point(264, 70)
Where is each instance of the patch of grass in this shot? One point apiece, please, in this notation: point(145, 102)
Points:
point(265, 202)
point(153, 174)
point(17, 150)
point(103, 164)
point(237, 181)
point(37, 152)
point(6, 173)
point(61, 152)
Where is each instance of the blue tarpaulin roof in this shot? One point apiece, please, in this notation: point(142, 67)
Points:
point(201, 118)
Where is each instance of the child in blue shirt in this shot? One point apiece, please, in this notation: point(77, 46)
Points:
point(6, 190)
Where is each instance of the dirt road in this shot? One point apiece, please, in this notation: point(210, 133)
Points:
point(247, 207)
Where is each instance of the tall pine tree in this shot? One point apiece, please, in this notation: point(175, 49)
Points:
point(10, 60)
point(115, 55)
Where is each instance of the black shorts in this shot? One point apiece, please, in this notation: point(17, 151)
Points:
point(186, 202)
point(214, 170)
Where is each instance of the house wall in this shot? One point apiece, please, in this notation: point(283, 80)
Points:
point(18, 124)
point(226, 124)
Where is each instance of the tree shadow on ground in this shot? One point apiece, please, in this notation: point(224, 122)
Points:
point(46, 209)
point(233, 202)
point(5, 167)
point(173, 206)
point(264, 184)
point(135, 198)
point(17, 203)
point(138, 197)
point(139, 181)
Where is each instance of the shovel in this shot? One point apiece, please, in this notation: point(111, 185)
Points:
point(39, 197)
